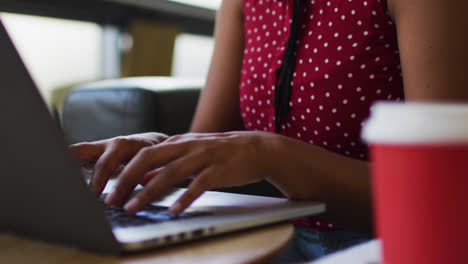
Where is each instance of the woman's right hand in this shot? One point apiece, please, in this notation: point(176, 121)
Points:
point(110, 154)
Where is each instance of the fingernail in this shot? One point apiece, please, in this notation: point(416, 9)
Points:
point(132, 205)
point(176, 208)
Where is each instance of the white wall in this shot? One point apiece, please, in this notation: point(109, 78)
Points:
point(192, 55)
point(61, 52)
point(211, 4)
point(57, 52)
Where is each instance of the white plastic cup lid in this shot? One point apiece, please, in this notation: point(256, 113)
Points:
point(416, 123)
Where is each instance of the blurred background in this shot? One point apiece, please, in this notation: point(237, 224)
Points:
point(64, 52)
point(65, 44)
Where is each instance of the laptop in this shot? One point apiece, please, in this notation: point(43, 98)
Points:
point(44, 195)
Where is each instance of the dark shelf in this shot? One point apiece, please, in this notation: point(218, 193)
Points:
point(191, 19)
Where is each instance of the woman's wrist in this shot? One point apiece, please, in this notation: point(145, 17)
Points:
point(275, 158)
point(291, 162)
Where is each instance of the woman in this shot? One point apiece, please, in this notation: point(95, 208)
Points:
point(300, 76)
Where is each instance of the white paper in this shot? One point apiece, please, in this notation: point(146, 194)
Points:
point(366, 253)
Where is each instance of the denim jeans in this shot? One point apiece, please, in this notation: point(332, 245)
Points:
point(309, 244)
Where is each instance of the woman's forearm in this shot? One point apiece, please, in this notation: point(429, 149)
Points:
point(306, 172)
point(218, 108)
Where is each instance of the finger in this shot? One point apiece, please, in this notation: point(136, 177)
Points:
point(105, 167)
point(119, 170)
point(172, 174)
point(150, 175)
point(147, 159)
point(86, 152)
point(197, 187)
point(195, 137)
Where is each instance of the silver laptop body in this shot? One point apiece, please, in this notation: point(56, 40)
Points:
point(44, 196)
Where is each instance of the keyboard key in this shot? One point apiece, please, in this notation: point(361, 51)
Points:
point(149, 215)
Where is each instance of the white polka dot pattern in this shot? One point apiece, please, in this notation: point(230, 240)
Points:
point(347, 58)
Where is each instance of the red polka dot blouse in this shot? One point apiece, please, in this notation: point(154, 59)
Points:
point(347, 58)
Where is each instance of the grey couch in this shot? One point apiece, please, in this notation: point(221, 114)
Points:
point(134, 105)
point(126, 106)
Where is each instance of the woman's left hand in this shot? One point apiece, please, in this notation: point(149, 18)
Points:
point(213, 160)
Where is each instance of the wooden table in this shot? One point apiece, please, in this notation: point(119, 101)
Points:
point(251, 246)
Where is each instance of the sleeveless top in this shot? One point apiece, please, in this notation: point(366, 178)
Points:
point(346, 59)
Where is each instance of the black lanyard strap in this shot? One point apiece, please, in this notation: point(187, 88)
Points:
point(283, 87)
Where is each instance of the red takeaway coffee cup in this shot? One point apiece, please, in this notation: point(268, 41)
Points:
point(419, 154)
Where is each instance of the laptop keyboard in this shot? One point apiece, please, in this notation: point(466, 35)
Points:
point(149, 215)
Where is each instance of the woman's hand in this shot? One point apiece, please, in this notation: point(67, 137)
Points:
point(213, 160)
point(110, 154)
